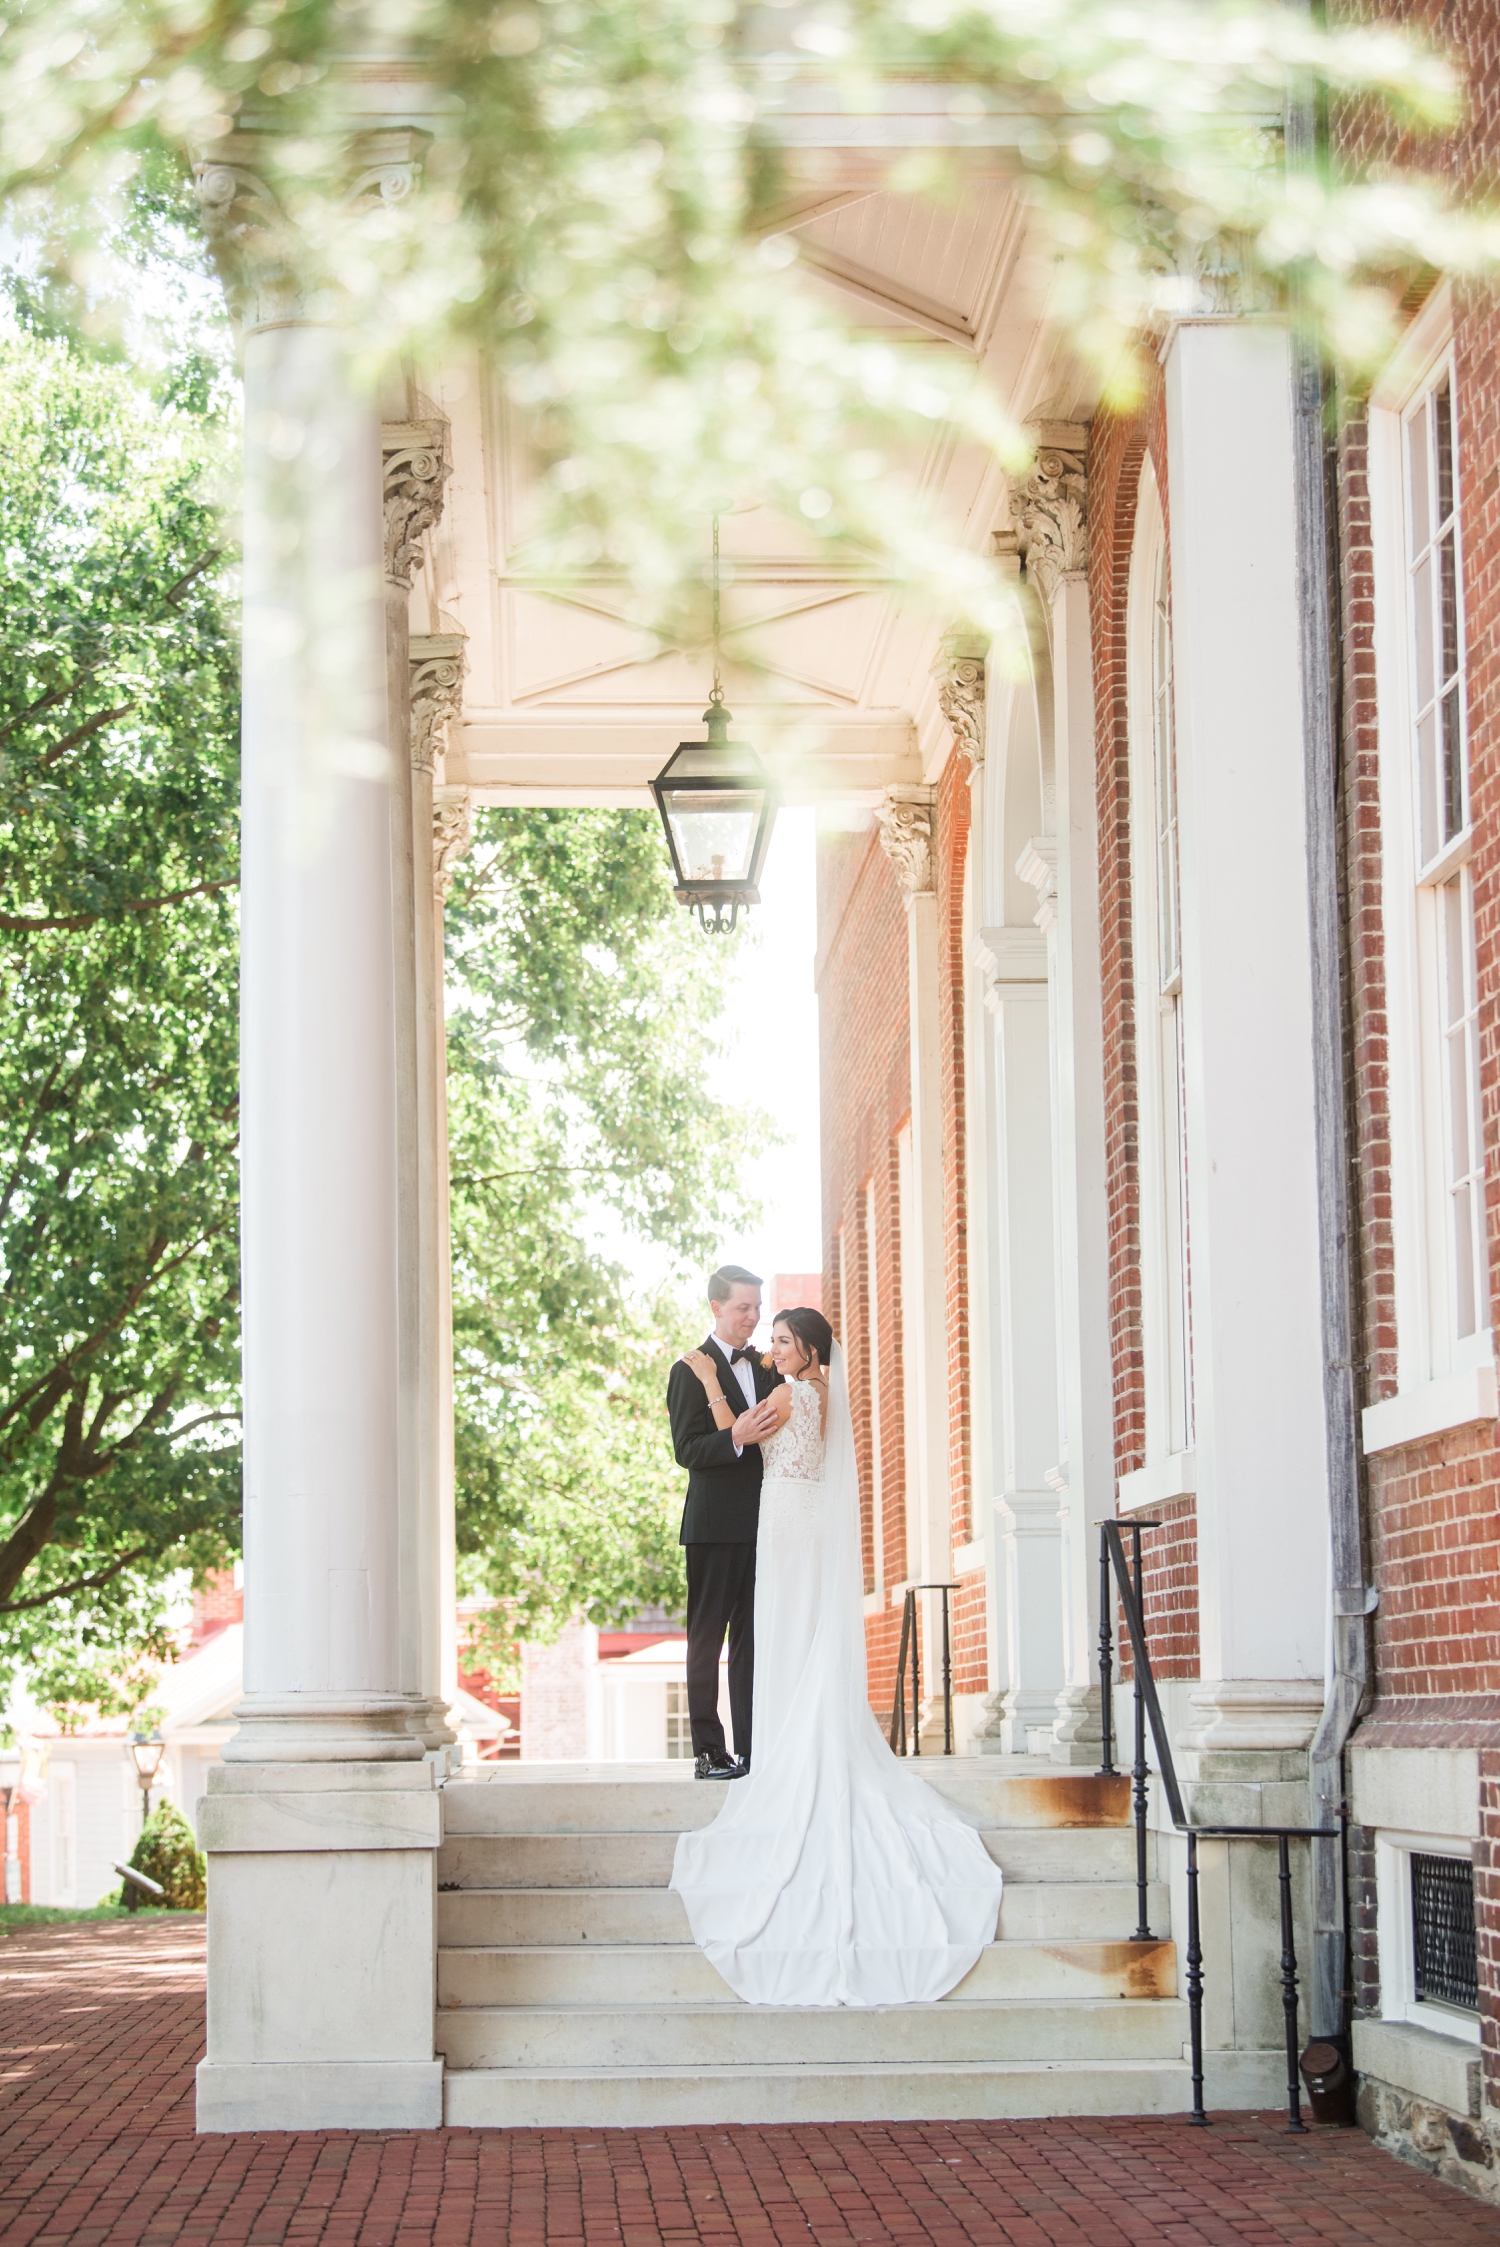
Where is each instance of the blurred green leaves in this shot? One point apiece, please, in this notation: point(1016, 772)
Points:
point(605, 188)
point(118, 1256)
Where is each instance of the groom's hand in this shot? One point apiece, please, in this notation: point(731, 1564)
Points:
point(754, 1425)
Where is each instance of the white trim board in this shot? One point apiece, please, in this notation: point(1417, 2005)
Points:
point(1455, 1401)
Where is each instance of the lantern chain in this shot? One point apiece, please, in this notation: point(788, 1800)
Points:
point(716, 698)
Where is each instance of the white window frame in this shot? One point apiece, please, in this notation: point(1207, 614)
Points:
point(1398, 1972)
point(1166, 1324)
point(680, 1751)
point(1444, 1379)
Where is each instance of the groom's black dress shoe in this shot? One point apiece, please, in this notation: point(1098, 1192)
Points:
point(715, 1767)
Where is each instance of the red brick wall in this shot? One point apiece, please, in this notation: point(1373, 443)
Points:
point(865, 1074)
point(1169, 1567)
point(1433, 1506)
point(952, 823)
point(864, 1011)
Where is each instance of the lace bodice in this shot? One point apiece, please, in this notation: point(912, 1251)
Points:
point(795, 1452)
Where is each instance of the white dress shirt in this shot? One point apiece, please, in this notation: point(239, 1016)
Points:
point(743, 1370)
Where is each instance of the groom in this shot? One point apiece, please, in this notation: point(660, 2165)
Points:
point(721, 1516)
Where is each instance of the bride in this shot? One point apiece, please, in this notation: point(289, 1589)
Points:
point(833, 1875)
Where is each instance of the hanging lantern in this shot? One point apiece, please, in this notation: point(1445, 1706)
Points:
point(718, 807)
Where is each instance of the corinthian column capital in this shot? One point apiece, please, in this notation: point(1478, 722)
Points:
point(270, 268)
point(452, 833)
point(905, 816)
point(1049, 510)
point(417, 464)
point(959, 672)
point(437, 691)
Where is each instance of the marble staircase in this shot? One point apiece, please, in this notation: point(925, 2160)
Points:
point(570, 1993)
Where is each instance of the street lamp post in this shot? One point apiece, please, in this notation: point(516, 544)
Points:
point(146, 1752)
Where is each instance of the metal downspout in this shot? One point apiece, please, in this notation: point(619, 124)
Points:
point(1315, 571)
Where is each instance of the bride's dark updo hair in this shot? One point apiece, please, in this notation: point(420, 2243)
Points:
point(812, 1331)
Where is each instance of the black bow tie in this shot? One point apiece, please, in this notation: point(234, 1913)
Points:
point(736, 1355)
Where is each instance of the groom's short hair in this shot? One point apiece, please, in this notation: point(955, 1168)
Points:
point(723, 1282)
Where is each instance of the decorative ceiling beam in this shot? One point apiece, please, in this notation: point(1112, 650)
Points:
point(879, 290)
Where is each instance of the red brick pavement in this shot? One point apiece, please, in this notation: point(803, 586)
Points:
point(100, 2026)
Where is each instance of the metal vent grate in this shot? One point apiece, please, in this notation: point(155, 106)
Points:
point(1442, 1917)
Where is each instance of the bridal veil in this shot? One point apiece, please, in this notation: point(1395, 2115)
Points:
point(833, 1875)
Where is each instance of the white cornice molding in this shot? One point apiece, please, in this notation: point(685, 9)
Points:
point(1012, 964)
point(1037, 864)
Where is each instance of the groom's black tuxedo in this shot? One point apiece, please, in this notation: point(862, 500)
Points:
point(722, 1506)
point(720, 1517)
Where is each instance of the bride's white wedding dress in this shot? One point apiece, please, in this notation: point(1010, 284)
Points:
point(833, 1875)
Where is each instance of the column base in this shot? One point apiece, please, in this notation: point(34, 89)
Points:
point(322, 1938)
point(1078, 1728)
point(1250, 1730)
point(320, 2095)
point(328, 1728)
point(1019, 1721)
point(429, 1721)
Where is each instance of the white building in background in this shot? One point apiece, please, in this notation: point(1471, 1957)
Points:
point(584, 1699)
point(89, 1816)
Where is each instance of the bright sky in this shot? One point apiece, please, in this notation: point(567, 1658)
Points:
point(772, 1061)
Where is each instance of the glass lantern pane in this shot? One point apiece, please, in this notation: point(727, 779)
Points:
point(715, 833)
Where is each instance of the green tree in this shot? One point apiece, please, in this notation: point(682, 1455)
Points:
point(585, 1012)
point(118, 723)
point(167, 1853)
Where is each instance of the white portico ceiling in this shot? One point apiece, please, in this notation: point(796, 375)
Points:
point(566, 702)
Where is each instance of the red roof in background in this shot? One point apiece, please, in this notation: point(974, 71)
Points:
point(794, 1291)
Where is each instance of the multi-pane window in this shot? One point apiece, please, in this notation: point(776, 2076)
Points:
point(1438, 696)
point(679, 1729)
point(1445, 884)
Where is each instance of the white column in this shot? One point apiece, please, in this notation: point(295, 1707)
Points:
point(322, 1823)
point(1262, 1495)
point(1048, 518)
point(1024, 1410)
point(433, 678)
point(323, 1667)
point(1082, 1201)
point(450, 830)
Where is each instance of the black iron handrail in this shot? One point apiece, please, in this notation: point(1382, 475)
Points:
point(1148, 1708)
point(910, 1637)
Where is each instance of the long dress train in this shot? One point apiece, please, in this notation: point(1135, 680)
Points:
point(833, 1875)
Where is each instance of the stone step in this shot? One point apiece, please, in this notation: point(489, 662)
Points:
point(957, 2030)
point(670, 1974)
point(596, 2099)
point(1030, 1911)
point(644, 1860)
point(1036, 1798)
